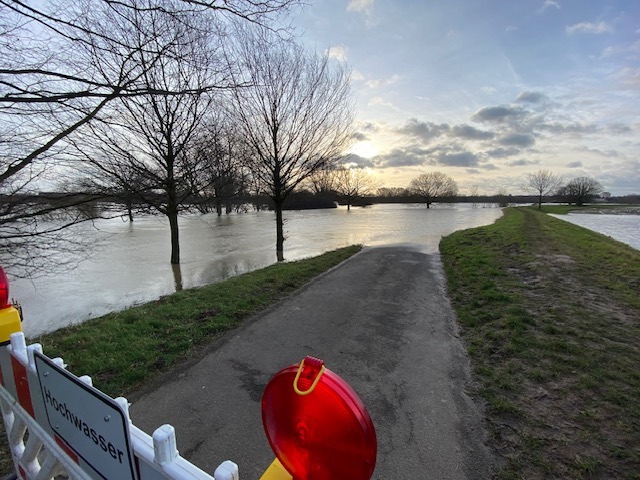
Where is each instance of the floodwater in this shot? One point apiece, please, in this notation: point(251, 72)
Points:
point(130, 262)
point(624, 228)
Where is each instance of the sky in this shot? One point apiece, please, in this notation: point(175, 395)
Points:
point(487, 91)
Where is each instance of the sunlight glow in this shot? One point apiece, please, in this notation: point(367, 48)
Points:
point(364, 149)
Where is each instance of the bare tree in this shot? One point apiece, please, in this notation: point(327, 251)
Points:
point(353, 183)
point(296, 114)
point(542, 183)
point(501, 197)
point(62, 64)
point(474, 192)
point(51, 87)
point(223, 158)
point(580, 190)
point(391, 192)
point(433, 186)
point(322, 181)
point(147, 139)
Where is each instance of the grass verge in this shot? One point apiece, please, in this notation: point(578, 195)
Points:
point(123, 350)
point(550, 314)
point(590, 208)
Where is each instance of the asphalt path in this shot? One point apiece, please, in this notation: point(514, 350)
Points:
point(383, 322)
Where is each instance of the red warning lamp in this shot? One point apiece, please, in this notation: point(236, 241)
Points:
point(316, 424)
point(4, 290)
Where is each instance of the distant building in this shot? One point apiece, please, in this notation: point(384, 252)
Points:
point(606, 195)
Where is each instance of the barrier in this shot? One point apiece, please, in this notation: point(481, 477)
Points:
point(59, 424)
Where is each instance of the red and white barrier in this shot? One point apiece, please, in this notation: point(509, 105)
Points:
point(40, 451)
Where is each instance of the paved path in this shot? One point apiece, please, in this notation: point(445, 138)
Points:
point(382, 321)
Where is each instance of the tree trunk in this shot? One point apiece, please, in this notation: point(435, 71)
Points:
point(279, 232)
point(177, 277)
point(175, 238)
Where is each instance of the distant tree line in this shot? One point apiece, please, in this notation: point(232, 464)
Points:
point(434, 187)
point(578, 191)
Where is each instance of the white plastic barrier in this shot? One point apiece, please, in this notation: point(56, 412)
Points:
point(54, 427)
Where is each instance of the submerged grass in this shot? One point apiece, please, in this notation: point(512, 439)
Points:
point(550, 314)
point(123, 350)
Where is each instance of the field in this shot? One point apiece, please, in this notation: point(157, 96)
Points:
point(550, 314)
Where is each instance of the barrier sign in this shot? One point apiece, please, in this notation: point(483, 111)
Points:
point(90, 422)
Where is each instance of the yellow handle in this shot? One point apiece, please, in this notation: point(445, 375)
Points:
point(313, 385)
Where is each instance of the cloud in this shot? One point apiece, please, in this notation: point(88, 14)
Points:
point(377, 83)
point(497, 114)
point(363, 6)
point(501, 152)
point(470, 133)
point(428, 131)
point(425, 131)
point(624, 178)
point(588, 27)
point(458, 159)
point(517, 140)
point(360, 137)
point(360, 6)
point(630, 77)
point(378, 100)
point(489, 166)
point(568, 128)
point(415, 155)
point(357, 161)
point(577, 164)
point(356, 75)
point(523, 163)
point(369, 127)
point(402, 157)
point(339, 52)
point(549, 4)
point(531, 97)
point(619, 129)
point(630, 51)
point(596, 151)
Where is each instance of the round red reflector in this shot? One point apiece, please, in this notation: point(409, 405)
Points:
point(4, 290)
point(317, 426)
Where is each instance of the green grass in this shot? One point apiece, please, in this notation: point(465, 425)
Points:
point(123, 350)
point(551, 317)
point(564, 209)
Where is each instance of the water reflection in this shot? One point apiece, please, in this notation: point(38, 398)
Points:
point(131, 265)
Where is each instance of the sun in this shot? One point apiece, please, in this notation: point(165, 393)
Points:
point(364, 149)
